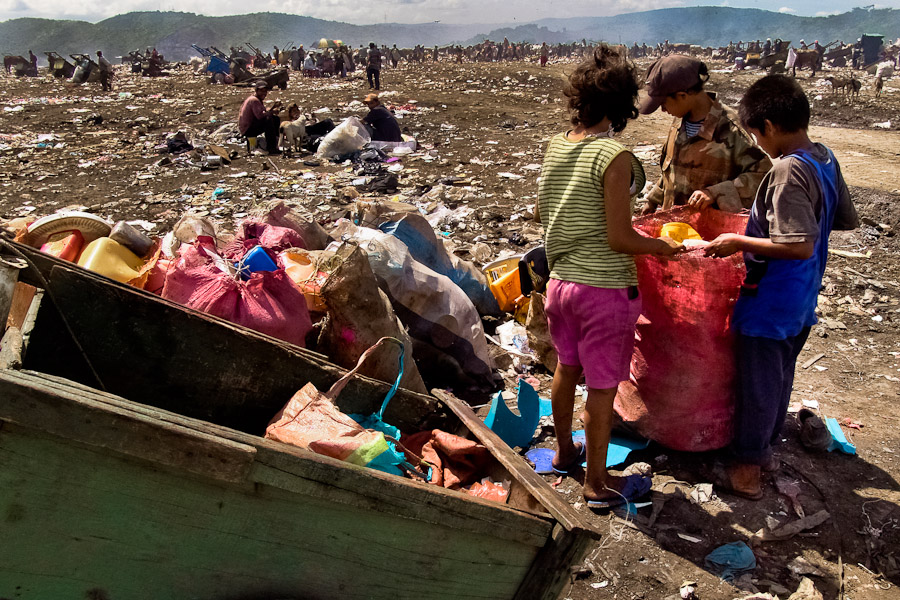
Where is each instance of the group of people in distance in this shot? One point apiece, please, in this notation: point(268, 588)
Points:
point(254, 119)
point(758, 158)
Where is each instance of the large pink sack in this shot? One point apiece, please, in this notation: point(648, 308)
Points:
point(681, 391)
point(268, 302)
point(256, 233)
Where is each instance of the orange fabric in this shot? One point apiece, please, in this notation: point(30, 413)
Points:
point(457, 461)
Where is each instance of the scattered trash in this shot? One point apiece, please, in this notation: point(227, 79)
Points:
point(786, 532)
point(801, 566)
point(515, 430)
point(838, 439)
point(731, 560)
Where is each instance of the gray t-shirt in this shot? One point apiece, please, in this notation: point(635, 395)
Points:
point(789, 186)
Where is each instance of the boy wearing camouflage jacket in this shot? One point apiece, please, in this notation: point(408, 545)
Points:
point(708, 158)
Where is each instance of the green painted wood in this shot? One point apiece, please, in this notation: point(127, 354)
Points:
point(49, 404)
point(77, 521)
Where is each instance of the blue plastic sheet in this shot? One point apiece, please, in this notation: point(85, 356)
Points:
point(515, 430)
point(838, 439)
point(618, 450)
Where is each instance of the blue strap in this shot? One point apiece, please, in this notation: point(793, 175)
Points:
point(396, 385)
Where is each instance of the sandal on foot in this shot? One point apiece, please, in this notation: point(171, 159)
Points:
point(635, 487)
point(575, 464)
point(740, 479)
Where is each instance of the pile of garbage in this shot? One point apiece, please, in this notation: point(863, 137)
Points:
point(383, 272)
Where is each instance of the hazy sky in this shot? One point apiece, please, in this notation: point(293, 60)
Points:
point(405, 11)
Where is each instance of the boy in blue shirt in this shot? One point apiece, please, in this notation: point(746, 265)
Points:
point(801, 199)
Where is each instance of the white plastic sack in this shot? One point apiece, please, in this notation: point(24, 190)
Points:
point(884, 70)
point(791, 58)
point(349, 136)
point(433, 308)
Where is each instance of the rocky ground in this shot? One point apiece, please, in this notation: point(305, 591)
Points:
point(482, 130)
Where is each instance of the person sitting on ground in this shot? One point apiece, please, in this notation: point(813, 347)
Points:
point(106, 72)
point(254, 119)
point(801, 199)
point(309, 65)
point(382, 123)
point(708, 158)
point(585, 199)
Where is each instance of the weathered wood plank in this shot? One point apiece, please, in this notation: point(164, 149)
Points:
point(295, 469)
point(91, 524)
point(83, 419)
point(558, 508)
point(162, 354)
point(21, 300)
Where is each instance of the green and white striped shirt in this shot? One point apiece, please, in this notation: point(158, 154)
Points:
point(570, 202)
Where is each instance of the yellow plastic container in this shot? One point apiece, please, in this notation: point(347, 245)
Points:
point(111, 259)
point(306, 277)
point(679, 232)
point(503, 280)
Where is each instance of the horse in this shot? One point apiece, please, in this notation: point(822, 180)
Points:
point(806, 58)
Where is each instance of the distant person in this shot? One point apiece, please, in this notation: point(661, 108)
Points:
point(255, 119)
point(785, 249)
point(545, 54)
point(309, 65)
point(32, 60)
point(373, 67)
point(708, 159)
point(395, 56)
point(106, 72)
point(382, 123)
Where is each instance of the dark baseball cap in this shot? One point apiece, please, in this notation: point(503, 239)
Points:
point(261, 84)
point(668, 75)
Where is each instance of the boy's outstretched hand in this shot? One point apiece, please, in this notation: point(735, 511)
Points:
point(724, 245)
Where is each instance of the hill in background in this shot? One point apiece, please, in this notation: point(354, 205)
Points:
point(173, 33)
point(707, 26)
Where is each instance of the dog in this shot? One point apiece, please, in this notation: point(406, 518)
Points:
point(849, 86)
point(293, 130)
point(879, 84)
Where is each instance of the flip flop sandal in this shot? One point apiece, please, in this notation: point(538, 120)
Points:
point(575, 464)
point(635, 487)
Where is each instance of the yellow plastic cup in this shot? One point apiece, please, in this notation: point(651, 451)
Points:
point(679, 232)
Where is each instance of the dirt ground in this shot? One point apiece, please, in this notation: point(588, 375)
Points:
point(483, 128)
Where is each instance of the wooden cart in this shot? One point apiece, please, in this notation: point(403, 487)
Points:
point(132, 466)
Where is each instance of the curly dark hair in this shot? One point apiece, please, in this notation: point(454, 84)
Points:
point(604, 85)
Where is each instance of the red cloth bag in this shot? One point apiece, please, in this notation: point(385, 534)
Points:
point(268, 302)
point(681, 390)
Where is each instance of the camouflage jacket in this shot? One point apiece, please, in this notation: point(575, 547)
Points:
point(721, 159)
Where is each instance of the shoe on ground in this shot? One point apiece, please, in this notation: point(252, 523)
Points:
point(741, 479)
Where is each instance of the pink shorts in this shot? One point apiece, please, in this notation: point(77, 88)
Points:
point(593, 328)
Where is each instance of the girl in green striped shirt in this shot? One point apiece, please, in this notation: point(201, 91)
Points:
point(585, 203)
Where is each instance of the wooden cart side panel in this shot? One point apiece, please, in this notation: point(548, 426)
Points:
point(104, 421)
point(552, 571)
point(191, 363)
point(79, 522)
point(83, 419)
